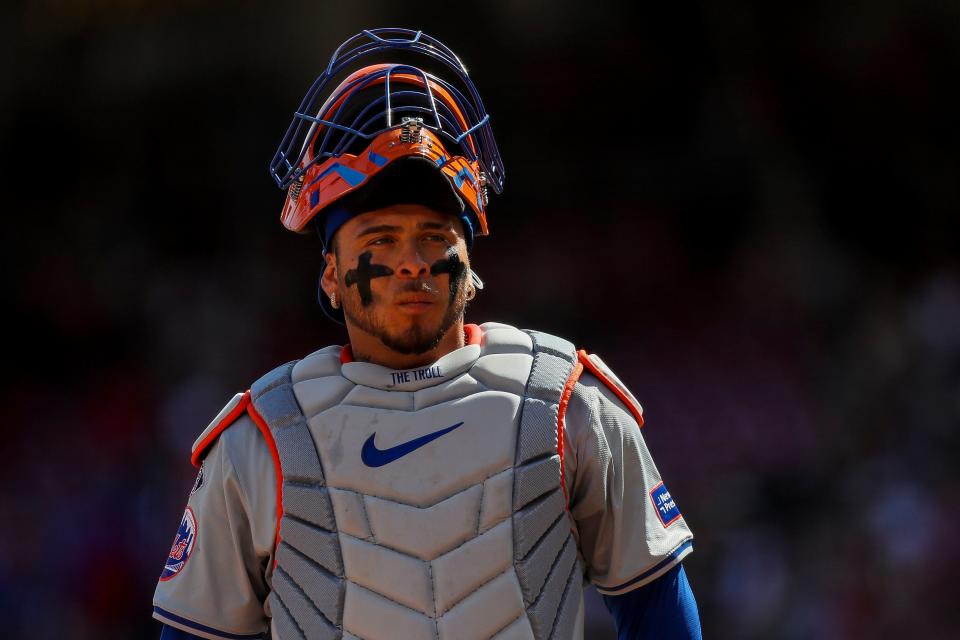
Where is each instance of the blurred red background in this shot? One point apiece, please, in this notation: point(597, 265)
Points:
point(750, 214)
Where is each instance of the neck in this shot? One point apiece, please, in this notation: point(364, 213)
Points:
point(368, 348)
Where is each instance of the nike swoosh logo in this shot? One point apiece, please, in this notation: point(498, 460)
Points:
point(373, 457)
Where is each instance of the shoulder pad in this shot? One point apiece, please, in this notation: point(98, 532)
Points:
point(598, 367)
point(233, 410)
point(551, 344)
point(502, 338)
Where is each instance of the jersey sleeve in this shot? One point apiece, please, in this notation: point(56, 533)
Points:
point(217, 576)
point(628, 526)
point(665, 609)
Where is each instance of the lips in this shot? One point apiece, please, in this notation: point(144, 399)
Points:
point(415, 298)
point(415, 302)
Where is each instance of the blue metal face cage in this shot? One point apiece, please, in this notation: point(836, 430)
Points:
point(347, 125)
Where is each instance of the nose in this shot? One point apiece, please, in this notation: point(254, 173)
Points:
point(412, 264)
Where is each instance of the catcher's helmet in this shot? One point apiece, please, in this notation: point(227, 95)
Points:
point(377, 115)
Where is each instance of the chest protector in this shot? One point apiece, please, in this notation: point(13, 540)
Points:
point(424, 504)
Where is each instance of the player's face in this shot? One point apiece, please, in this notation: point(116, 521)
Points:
point(402, 275)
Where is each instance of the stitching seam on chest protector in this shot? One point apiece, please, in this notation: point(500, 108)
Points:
point(500, 630)
point(536, 478)
point(386, 597)
point(429, 568)
point(301, 500)
point(298, 601)
point(418, 558)
point(286, 617)
point(566, 610)
point(483, 488)
point(320, 545)
point(415, 506)
point(366, 517)
point(302, 557)
point(321, 594)
point(433, 592)
point(534, 570)
point(546, 607)
point(536, 543)
point(473, 591)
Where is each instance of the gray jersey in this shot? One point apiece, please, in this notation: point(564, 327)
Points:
point(220, 570)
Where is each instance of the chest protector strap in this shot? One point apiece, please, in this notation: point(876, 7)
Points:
point(308, 579)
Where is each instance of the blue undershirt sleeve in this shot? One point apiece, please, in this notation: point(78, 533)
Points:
point(664, 609)
point(171, 633)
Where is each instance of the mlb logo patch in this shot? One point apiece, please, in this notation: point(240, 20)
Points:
point(667, 509)
point(183, 544)
point(199, 481)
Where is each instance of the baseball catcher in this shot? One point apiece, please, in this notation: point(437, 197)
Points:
point(431, 479)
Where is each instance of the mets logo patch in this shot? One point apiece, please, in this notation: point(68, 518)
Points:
point(182, 547)
point(667, 509)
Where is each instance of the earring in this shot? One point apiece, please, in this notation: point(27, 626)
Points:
point(333, 300)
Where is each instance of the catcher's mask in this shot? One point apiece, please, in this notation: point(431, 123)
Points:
point(376, 116)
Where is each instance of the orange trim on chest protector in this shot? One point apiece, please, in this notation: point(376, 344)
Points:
point(613, 386)
point(278, 471)
point(201, 449)
point(561, 416)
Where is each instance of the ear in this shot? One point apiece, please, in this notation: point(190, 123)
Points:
point(329, 281)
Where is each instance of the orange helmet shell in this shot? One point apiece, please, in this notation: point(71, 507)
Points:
point(323, 183)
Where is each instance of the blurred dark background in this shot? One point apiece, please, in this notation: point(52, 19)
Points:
point(750, 212)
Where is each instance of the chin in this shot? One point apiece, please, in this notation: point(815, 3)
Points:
point(414, 335)
point(407, 334)
point(413, 341)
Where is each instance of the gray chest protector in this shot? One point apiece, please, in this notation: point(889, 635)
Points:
point(426, 503)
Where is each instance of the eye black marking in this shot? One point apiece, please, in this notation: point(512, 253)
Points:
point(451, 265)
point(363, 274)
